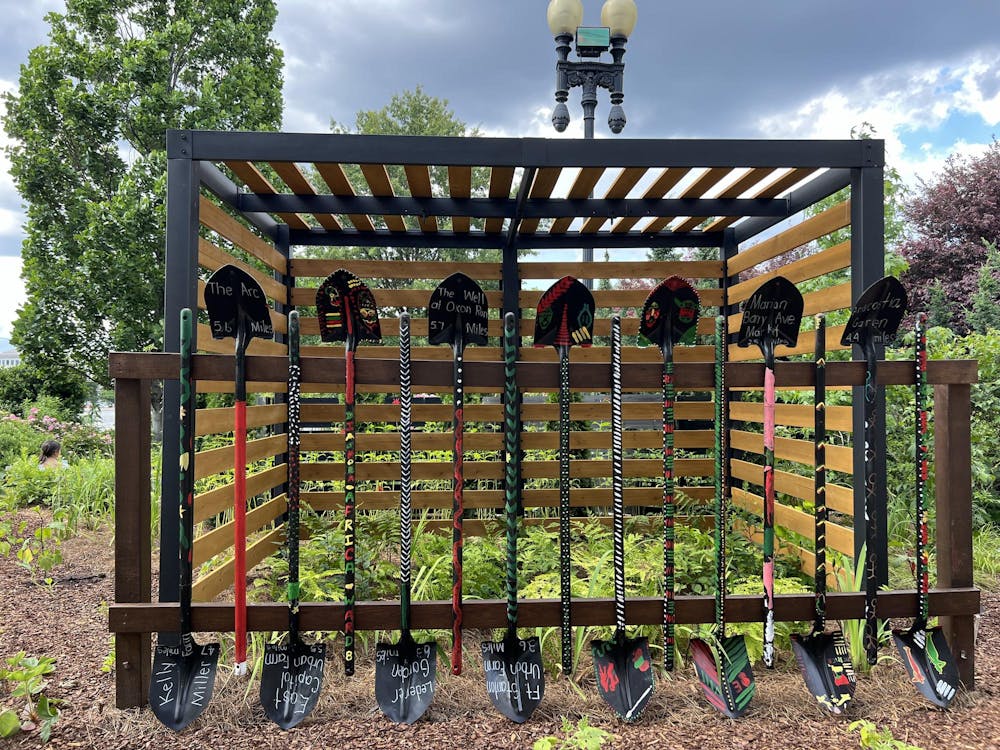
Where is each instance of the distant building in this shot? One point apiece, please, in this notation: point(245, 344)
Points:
point(10, 358)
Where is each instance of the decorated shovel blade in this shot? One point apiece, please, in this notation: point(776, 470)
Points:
point(405, 675)
point(346, 309)
point(291, 680)
point(725, 674)
point(565, 315)
point(231, 294)
point(928, 661)
point(515, 679)
point(877, 313)
point(825, 664)
point(458, 302)
point(624, 672)
point(772, 315)
point(670, 313)
point(182, 681)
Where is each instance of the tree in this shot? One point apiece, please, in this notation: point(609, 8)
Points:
point(22, 384)
point(87, 123)
point(951, 217)
point(983, 314)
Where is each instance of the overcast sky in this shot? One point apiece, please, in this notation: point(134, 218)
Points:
point(924, 73)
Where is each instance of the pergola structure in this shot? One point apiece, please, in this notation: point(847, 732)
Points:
point(253, 198)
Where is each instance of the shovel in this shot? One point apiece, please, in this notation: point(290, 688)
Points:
point(823, 657)
point(347, 312)
point(184, 674)
point(722, 663)
point(458, 314)
point(623, 666)
point(293, 672)
point(515, 679)
point(669, 316)
point(237, 308)
point(924, 651)
point(770, 317)
point(564, 317)
point(405, 673)
point(874, 321)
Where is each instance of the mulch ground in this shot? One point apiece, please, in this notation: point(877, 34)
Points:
point(68, 621)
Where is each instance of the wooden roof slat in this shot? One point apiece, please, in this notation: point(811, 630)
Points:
point(697, 189)
point(542, 187)
point(258, 183)
point(735, 190)
point(772, 190)
point(336, 180)
point(460, 186)
point(418, 177)
point(501, 178)
point(660, 187)
point(582, 187)
point(377, 177)
point(299, 184)
point(620, 188)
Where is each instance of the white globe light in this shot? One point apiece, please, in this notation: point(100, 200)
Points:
point(564, 16)
point(620, 16)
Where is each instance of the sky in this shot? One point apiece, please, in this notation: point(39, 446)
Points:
point(924, 74)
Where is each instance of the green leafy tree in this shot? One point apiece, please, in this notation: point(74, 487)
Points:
point(23, 384)
point(984, 313)
point(88, 121)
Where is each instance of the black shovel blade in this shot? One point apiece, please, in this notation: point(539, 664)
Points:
point(624, 672)
point(346, 309)
point(458, 301)
point(182, 681)
point(405, 675)
point(231, 291)
point(928, 660)
point(877, 313)
point(565, 315)
point(772, 315)
point(515, 678)
point(291, 680)
point(670, 313)
point(725, 674)
point(825, 664)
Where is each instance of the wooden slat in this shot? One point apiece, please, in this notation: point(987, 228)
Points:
point(692, 269)
point(212, 584)
point(336, 180)
point(460, 186)
point(709, 179)
point(392, 269)
point(627, 179)
point(807, 559)
point(526, 354)
point(771, 190)
point(299, 184)
point(501, 179)
point(418, 177)
point(793, 415)
point(221, 538)
point(377, 177)
point(838, 537)
point(660, 187)
point(838, 497)
point(219, 221)
point(821, 301)
point(805, 345)
point(214, 421)
point(259, 184)
point(221, 459)
point(542, 187)
point(735, 190)
point(832, 259)
point(212, 258)
point(253, 386)
point(834, 218)
point(226, 346)
point(220, 499)
point(838, 457)
point(582, 187)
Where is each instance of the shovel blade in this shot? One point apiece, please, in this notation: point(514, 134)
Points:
point(405, 675)
point(182, 681)
point(565, 315)
point(231, 294)
point(724, 671)
point(291, 680)
point(515, 678)
point(624, 672)
point(928, 661)
point(670, 313)
point(458, 308)
point(825, 664)
point(772, 315)
point(877, 313)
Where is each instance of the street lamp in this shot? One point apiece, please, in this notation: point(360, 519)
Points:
point(618, 19)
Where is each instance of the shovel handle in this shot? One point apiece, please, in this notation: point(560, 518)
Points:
point(512, 460)
point(768, 572)
point(457, 507)
point(720, 502)
point(405, 458)
point(294, 430)
point(819, 452)
point(922, 457)
point(669, 615)
point(870, 639)
point(565, 593)
point(617, 475)
point(350, 480)
point(240, 533)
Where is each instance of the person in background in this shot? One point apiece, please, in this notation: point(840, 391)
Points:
point(51, 455)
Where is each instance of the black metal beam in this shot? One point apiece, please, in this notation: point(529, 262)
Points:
point(511, 283)
point(226, 191)
point(492, 208)
point(522, 152)
point(815, 190)
point(482, 240)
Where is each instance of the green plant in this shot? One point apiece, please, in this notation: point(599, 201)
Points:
point(851, 578)
point(27, 676)
point(579, 737)
point(873, 738)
